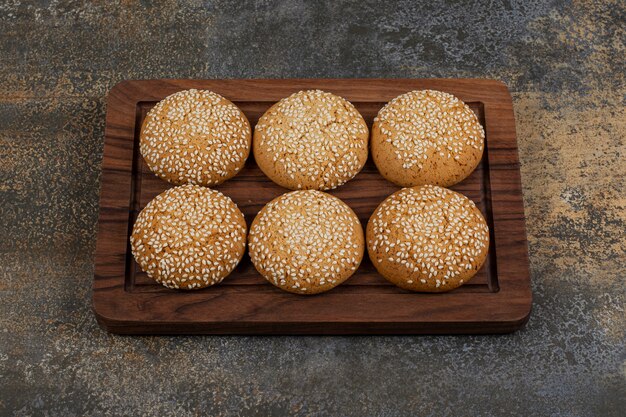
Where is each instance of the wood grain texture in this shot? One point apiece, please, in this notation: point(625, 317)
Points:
point(126, 301)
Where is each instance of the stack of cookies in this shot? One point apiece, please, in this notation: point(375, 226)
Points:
point(306, 241)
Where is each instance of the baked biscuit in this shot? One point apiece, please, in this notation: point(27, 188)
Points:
point(426, 137)
point(311, 140)
point(306, 242)
point(195, 137)
point(427, 238)
point(189, 237)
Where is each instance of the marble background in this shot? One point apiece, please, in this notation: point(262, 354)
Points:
point(564, 63)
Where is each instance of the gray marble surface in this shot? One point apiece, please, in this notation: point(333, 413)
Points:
point(564, 63)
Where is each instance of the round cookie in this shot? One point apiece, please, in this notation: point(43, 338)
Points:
point(426, 137)
point(311, 140)
point(306, 242)
point(427, 238)
point(195, 137)
point(189, 237)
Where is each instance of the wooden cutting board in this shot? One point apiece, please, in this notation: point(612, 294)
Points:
point(125, 300)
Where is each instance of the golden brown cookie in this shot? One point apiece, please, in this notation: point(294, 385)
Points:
point(311, 140)
point(426, 137)
point(189, 237)
point(427, 238)
point(196, 137)
point(306, 242)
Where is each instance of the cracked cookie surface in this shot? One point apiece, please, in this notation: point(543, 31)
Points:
point(427, 238)
point(311, 140)
point(426, 137)
point(195, 137)
point(189, 237)
point(306, 242)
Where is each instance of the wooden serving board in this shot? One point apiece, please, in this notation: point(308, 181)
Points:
point(126, 301)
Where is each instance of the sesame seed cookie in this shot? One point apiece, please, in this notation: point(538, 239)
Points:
point(427, 238)
point(189, 237)
point(311, 140)
point(195, 137)
point(306, 242)
point(426, 137)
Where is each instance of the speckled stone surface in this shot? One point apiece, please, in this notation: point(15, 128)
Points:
point(564, 63)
